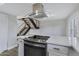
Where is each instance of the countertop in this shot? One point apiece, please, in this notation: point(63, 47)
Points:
point(59, 40)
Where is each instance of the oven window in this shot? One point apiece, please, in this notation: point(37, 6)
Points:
point(34, 51)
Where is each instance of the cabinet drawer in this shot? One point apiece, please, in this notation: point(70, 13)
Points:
point(57, 50)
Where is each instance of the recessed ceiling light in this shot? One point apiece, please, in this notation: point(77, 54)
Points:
point(49, 14)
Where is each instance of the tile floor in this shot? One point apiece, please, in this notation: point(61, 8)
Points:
point(12, 52)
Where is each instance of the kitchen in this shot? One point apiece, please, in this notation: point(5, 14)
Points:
point(48, 29)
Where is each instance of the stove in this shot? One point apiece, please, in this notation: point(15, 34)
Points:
point(35, 45)
point(37, 38)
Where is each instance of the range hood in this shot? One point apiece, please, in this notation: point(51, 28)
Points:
point(38, 11)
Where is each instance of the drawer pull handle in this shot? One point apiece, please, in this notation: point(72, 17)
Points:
point(56, 48)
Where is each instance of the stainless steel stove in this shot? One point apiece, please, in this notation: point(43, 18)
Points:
point(35, 46)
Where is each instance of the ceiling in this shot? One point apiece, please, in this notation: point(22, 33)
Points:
point(56, 10)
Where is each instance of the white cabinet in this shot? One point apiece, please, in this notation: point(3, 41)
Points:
point(55, 50)
point(20, 47)
point(3, 32)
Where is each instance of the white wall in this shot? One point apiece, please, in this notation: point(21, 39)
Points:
point(50, 27)
point(8, 27)
point(12, 31)
point(3, 31)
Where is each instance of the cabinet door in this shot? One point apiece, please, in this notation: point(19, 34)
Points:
point(3, 32)
point(55, 50)
point(20, 47)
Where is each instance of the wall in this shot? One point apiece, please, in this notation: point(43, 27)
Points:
point(3, 31)
point(12, 30)
point(50, 27)
point(8, 27)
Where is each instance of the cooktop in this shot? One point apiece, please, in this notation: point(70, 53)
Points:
point(38, 38)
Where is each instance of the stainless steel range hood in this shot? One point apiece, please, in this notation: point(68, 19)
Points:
point(38, 11)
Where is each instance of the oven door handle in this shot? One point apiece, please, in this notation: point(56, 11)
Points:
point(36, 45)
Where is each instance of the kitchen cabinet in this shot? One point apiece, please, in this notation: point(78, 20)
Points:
point(55, 50)
point(20, 47)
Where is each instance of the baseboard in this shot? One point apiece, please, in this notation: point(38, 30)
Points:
point(12, 47)
point(1, 52)
point(9, 48)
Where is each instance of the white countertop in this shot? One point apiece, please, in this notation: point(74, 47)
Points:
point(59, 40)
point(22, 37)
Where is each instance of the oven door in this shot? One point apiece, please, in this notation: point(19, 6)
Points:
point(34, 49)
